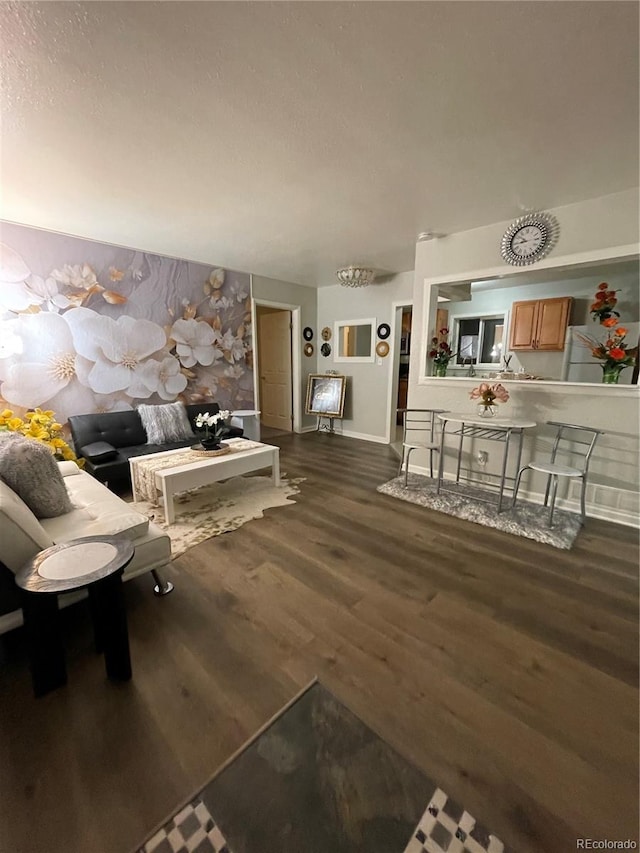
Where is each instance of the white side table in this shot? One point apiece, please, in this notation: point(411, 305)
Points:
point(249, 420)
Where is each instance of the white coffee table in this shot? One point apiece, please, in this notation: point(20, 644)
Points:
point(204, 470)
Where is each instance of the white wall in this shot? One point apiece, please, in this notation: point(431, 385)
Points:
point(368, 385)
point(284, 292)
point(604, 225)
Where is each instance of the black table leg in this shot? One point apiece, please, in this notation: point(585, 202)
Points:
point(110, 625)
point(44, 642)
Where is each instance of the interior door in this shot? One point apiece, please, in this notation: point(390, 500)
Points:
point(274, 363)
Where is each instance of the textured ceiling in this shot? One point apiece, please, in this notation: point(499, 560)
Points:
point(288, 139)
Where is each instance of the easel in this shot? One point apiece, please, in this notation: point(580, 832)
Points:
point(323, 427)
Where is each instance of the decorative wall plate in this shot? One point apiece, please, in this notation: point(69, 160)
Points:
point(325, 349)
point(307, 333)
point(382, 348)
point(326, 334)
point(308, 349)
point(384, 330)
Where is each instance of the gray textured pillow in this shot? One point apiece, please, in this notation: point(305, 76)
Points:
point(28, 467)
point(165, 423)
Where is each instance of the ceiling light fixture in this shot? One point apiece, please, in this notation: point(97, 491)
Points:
point(355, 276)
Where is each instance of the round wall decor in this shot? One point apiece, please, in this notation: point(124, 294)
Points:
point(326, 334)
point(382, 348)
point(384, 330)
point(325, 349)
point(308, 350)
point(529, 239)
point(307, 333)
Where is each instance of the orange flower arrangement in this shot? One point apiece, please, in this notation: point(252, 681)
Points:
point(602, 308)
point(614, 353)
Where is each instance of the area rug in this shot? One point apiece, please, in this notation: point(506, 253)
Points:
point(525, 519)
point(219, 508)
point(317, 780)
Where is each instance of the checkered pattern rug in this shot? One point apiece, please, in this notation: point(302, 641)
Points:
point(445, 827)
point(192, 830)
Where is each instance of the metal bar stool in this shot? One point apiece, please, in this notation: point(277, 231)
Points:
point(574, 441)
point(419, 432)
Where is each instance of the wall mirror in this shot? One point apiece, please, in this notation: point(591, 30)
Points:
point(355, 340)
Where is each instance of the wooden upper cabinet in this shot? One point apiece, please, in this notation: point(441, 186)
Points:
point(539, 324)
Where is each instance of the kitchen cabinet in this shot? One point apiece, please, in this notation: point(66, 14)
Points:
point(539, 324)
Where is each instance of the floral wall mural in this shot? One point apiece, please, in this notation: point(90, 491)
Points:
point(88, 327)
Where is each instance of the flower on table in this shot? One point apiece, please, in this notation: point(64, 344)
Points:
point(440, 351)
point(213, 424)
point(488, 394)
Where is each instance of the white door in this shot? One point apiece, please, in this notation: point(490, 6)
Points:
point(274, 364)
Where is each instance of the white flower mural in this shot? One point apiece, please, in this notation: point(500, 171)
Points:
point(48, 370)
point(172, 329)
point(44, 291)
point(233, 347)
point(77, 276)
point(164, 377)
point(194, 342)
point(14, 295)
point(118, 349)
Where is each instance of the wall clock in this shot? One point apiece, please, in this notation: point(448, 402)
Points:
point(529, 239)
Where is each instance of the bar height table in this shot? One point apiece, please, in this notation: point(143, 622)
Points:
point(507, 431)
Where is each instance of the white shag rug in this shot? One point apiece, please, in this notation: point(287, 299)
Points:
point(219, 508)
point(525, 519)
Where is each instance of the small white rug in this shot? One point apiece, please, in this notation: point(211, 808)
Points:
point(219, 508)
point(525, 519)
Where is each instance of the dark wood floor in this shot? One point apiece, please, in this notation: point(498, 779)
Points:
point(507, 670)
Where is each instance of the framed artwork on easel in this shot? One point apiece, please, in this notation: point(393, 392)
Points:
point(325, 395)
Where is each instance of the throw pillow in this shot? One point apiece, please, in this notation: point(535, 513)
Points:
point(28, 467)
point(99, 451)
point(165, 423)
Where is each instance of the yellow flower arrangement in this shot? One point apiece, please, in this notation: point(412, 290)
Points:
point(41, 426)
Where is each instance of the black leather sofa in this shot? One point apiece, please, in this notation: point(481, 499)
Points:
point(107, 440)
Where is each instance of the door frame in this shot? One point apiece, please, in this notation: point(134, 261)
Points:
point(295, 355)
point(392, 390)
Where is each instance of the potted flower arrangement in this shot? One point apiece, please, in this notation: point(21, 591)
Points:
point(603, 305)
point(41, 426)
point(214, 428)
point(488, 395)
point(441, 353)
point(614, 353)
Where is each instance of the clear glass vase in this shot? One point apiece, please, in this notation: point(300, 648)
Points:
point(611, 373)
point(440, 369)
point(486, 410)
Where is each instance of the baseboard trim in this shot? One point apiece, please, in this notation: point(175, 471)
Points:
point(363, 436)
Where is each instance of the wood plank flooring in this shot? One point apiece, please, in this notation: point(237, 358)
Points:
point(505, 669)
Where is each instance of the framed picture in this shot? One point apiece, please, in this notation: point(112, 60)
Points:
point(325, 395)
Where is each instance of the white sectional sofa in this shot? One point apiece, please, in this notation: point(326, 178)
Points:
point(96, 511)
